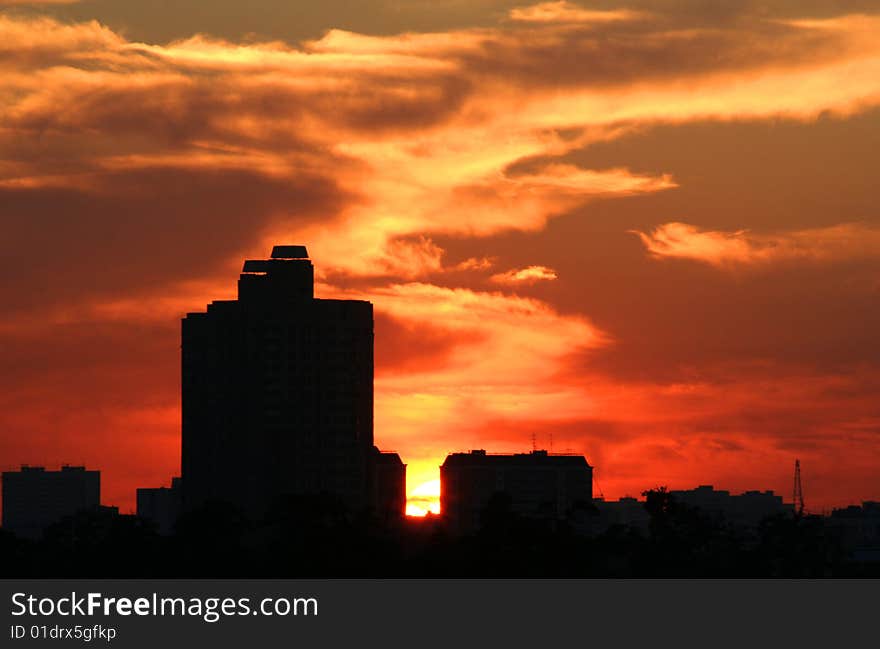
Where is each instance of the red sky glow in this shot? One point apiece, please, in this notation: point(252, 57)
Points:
point(647, 232)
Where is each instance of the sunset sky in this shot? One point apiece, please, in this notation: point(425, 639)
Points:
point(647, 231)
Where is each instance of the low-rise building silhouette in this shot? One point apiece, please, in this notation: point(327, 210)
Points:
point(747, 509)
point(388, 484)
point(34, 498)
point(160, 506)
point(858, 529)
point(626, 512)
point(536, 485)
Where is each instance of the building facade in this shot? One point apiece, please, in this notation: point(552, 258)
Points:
point(536, 485)
point(160, 506)
point(277, 391)
point(34, 499)
point(857, 527)
point(388, 485)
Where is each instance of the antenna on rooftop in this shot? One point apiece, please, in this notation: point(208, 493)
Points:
point(534, 443)
point(598, 486)
point(798, 492)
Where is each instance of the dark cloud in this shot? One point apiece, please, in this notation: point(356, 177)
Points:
point(143, 229)
point(621, 53)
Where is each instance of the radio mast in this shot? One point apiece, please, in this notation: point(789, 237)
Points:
point(798, 492)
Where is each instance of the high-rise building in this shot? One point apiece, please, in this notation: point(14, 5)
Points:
point(34, 499)
point(536, 485)
point(277, 391)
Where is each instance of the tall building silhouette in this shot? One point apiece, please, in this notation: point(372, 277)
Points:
point(536, 485)
point(34, 498)
point(277, 391)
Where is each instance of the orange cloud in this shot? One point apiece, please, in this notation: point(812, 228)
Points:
point(434, 108)
point(744, 248)
point(568, 12)
point(412, 258)
point(527, 275)
point(36, 39)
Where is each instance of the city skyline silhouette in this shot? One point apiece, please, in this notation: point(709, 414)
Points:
point(278, 452)
point(642, 234)
point(278, 400)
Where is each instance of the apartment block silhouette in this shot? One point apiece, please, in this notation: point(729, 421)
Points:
point(535, 485)
point(34, 498)
point(160, 506)
point(277, 392)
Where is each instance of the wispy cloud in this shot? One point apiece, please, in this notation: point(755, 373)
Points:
point(568, 12)
point(842, 242)
point(527, 275)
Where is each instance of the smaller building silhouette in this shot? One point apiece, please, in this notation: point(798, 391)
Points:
point(625, 512)
point(858, 529)
point(389, 484)
point(160, 506)
point(34, 499)
point(746, 510)
point(535, 485)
